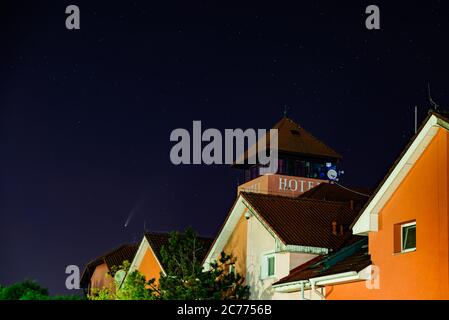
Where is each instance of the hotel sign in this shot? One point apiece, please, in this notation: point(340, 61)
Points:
point(280, 185)
point(301, 184)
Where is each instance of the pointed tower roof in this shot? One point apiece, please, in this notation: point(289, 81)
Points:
point(292, 138)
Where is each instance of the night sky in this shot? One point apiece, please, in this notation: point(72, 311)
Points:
point(86, 115)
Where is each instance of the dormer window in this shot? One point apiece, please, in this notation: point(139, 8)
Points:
point(295, 132)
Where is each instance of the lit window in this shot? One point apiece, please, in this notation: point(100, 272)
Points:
point(408, 237)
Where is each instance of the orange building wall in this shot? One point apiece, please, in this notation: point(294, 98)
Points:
point(424, 196)
point(236, 245)
point(149, 266)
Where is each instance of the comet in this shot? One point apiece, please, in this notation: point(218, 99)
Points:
point(132, 213)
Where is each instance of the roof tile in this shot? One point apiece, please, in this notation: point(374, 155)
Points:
point(302, 221)
point(113, 258)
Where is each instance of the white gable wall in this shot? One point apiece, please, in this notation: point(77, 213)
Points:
point(261, 242)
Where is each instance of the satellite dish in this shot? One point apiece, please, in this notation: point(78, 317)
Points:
point(332, 174)
point(119, 276)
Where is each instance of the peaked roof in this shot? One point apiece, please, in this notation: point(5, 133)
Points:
point(159, 239)
point(353, 257)
point(301, 221)
point(295, 221)
point(336, 192)
point(113, 258)
point(398, 171)
point(292, 138)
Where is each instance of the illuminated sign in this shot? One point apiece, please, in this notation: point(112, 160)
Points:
point(280, 185)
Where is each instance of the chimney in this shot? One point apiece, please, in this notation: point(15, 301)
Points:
point(334, 227)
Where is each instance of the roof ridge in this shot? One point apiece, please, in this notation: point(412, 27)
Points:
point(283, 119)
point(112, 251)
point(159, 232)
point(402, 153)
point(102, 257)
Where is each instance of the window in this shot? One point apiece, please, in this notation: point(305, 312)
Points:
point(408, 237)
point(270, 266)
point(295, 132)
point(267, 267)
point(405, 237)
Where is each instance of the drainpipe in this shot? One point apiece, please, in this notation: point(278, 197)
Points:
point(302, 291)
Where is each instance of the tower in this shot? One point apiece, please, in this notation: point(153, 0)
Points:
point(303, 162)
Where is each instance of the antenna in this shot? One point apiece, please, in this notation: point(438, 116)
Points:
point(285, 110)
point(144, 226)
point(432, 103)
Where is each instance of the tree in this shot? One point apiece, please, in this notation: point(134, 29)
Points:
point(31, 290)
point(134, 287)
point(185, 278)
point(25, 290)
point(225, 285)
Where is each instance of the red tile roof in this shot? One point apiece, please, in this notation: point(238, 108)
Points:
point(320, 266)
point(302, 221)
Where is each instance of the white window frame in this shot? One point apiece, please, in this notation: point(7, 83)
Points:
point(265, 266)
point(405, 225)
